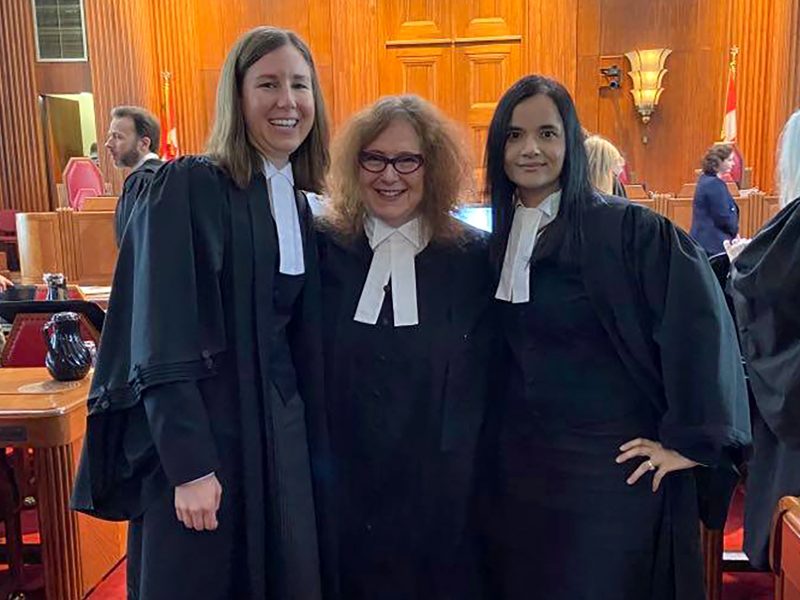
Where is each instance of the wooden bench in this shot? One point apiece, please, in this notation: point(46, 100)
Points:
point(785, 549)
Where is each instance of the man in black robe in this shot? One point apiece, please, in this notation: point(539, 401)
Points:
point(765, 284)
point(132, 141)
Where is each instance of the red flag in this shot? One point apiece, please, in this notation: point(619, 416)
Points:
point(729, 121)
point(169, 131)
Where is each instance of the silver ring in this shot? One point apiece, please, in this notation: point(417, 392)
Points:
point(650, 465)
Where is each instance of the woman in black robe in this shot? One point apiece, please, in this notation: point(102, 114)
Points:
point(206, 427)
point(765, 284)
point(406, 292)
point(622, 376)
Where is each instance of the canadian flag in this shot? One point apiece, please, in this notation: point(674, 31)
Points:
point(169, 130)
point(729, 122)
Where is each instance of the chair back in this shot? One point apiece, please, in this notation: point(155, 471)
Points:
point(82, 174)
point(8, 221)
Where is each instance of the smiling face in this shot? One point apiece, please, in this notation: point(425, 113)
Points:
point(393, 197)
point(535, 149)
point(278, 103)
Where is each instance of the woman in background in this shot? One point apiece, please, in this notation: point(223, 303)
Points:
point(406, 297)
point(605, 166)
point(609, 402)
point(765, 281)
point(715, 214)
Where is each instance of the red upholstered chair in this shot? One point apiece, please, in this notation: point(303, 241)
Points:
point(82, 174)
point(8, 237)
point(81, 197)
point(25, 345)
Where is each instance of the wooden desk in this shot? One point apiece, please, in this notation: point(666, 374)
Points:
point(79, 244)
point(50, 416)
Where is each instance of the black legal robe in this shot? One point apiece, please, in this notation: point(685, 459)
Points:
point(406, 406)
point(677, 377)
point(765, 284)
point(192, 312)
point(135, 187)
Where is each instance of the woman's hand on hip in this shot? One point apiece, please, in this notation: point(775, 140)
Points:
point(657, 458)
point(197, 503)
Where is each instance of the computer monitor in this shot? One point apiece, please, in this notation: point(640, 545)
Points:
point(477, 216)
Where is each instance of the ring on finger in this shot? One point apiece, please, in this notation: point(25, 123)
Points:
point(650, 465)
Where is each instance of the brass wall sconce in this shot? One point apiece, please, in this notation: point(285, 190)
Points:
point(647, 71)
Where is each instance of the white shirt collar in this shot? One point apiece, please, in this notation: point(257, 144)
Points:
point(270, 170)
point(514, 285)
point(378, 231)
point(283, 205)
point(393, 258)
point(144, 159)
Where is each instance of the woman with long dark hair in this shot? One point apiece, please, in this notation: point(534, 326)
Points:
point(622, 375)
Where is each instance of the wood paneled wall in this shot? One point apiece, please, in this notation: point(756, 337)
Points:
point(689, 117)
point(460, 54)
point(124, 64)
point(463, 55)
point(23, 175)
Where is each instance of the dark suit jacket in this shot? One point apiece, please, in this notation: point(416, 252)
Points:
point(715, 215)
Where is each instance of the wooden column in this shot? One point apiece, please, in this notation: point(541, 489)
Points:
point(55, 472)
point(23, 185)
point(119, 39)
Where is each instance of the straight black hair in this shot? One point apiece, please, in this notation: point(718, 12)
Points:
point(565, 232)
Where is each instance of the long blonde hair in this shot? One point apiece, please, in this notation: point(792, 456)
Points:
point(447, 168)
point(603, 158)
point(228, 144)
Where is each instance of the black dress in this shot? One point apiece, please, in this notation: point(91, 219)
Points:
point(404, 433)
point(569, 406)
point(211, 360)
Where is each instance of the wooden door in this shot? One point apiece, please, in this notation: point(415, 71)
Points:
point(461, 56)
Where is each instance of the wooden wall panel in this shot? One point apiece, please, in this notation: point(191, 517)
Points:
point(63, 78)
point(663, 153)
point(175, 40)
point(750, 30)
point(23, 175)
point(551, 39)
point(124, 68)
point(355, 45)
point(464, 55)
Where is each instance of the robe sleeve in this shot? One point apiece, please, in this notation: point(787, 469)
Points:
point(178, 321)
point(765, 284)
point(181, 431)
point(164, 328)
point(706, 408)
